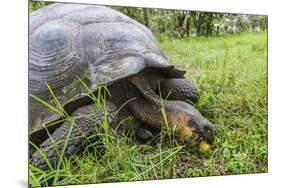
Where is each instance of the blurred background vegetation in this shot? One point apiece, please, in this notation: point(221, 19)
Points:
point(34, 5)
point(184, 23)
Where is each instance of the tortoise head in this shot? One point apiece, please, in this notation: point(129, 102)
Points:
point(190, 125)
point(182, 117)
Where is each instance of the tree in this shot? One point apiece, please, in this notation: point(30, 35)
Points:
point(146, 17)
point(209, 24)
point(185, 24)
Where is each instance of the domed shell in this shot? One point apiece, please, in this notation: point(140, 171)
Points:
point(94, 43)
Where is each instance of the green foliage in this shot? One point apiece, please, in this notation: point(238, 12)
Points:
point(231, 75)
point(183, 23)
point(34, 5)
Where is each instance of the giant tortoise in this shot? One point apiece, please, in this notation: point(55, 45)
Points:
point(74, 49)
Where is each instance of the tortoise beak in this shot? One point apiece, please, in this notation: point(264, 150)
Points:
point(207, 138)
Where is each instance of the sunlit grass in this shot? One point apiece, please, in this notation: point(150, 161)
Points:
point(231, 75)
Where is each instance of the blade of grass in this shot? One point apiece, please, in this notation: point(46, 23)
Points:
point(152, 167)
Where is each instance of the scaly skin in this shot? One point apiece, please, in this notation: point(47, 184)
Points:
point(88, 121)
point(179, 89)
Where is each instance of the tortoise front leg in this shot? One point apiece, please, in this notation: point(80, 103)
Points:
point(179, 89)
point(145, 133)
point(132, 126)
point(88, 122)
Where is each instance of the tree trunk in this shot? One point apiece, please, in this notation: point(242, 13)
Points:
point(146, 17)
point(199, 25)
point(209, 29)
point(217, 30)
point(186, 24)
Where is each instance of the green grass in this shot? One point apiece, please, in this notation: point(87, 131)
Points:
point(231, 75)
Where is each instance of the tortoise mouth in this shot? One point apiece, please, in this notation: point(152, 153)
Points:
point(200, 143)
point(202, 133)
point(206, 135)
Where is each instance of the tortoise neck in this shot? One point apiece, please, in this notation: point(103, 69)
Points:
point(147, 105)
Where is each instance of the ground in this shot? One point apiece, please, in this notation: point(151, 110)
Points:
point(231, 74)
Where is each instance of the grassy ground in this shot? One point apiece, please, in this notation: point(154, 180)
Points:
point(231, 75)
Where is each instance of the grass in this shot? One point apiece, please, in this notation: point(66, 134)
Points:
point(231, 74)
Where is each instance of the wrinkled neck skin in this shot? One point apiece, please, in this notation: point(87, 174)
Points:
point(182, 117)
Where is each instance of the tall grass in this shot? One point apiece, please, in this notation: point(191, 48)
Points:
point(55, 172)
point(231, 75)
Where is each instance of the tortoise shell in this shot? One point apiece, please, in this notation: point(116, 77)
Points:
point(94, 43)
